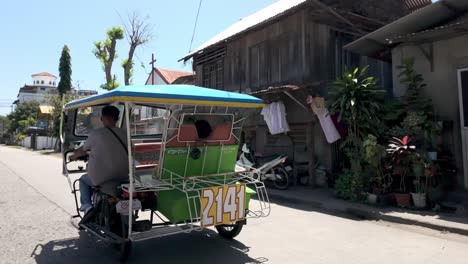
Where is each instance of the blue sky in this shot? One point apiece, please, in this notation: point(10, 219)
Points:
point(34, 32)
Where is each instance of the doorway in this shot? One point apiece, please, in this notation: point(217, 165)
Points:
point(463, 97)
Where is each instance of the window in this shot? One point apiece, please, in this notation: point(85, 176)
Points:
point(42, 82)
point(53, 83)
point(213, 74)
point(89, 118)
point(43, 88)
point(50, 83)
point(206, 126)
point(147, 120)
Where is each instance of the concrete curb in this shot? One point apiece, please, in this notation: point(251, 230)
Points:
point(364, 213)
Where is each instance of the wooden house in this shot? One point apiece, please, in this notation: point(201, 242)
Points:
point(287, 51)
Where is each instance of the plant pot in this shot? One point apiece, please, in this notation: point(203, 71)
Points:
point(403, 199)
point(385, 199)
point(321, 179)
point(371, 198)
point(419, 199)
point(432, 155)
point(377, 190)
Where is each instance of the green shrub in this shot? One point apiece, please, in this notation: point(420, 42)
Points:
point(350, 186)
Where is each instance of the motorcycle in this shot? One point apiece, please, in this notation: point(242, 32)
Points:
point(273, 170)
point(111, 202)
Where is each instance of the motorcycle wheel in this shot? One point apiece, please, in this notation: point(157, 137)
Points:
point(229, 231)
point(281, 180)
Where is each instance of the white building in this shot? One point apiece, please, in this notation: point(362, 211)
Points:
point(43, 84)
point(45, 79)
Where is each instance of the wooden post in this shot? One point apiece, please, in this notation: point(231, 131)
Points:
point(311, 152)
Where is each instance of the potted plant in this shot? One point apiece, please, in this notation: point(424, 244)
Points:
point(417, 165)
point(401, 154)
point(374, 154)
point(420, 169)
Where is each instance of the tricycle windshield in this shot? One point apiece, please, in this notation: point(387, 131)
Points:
point(89, 118)
point(147, 120)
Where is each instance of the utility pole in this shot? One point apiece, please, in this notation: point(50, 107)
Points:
point(153, 60)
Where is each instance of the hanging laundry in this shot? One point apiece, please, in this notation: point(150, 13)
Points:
point(274, 115)
point(328, 127)
point(266, 115)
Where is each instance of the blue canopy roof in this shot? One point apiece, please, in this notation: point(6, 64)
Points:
point(169, 94)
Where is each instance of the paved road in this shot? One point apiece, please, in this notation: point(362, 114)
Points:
point(35, 206)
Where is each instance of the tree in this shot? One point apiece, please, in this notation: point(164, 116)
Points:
point(105, 51)
point(4, 124)
point(24, 113)
point(57, 102)
point(356, 97)
point(138, 31)
point(65, 72)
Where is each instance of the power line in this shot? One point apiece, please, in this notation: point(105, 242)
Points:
point(195, 26)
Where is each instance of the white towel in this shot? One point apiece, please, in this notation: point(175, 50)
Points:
point(274, 115)
point(328, 127)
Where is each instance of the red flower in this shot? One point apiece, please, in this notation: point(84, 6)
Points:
point(405, 140)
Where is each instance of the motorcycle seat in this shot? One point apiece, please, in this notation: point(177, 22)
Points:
point(110, 187)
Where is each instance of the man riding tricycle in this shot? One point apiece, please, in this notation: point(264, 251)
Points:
point(152, 161)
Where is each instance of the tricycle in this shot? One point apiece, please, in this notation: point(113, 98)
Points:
point(183, 144)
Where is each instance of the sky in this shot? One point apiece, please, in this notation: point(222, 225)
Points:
point(34, 32)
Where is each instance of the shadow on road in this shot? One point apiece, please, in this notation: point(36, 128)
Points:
point(347, 214)
point(197, 247)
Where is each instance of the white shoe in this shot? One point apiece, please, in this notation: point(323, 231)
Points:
point(85, 209)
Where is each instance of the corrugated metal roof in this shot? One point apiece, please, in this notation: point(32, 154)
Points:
point(171, 75)
point(423, 19)
point(270, 12)
point(428, 32)
point(414, 5)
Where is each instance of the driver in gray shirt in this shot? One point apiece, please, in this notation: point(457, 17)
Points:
point(108, 158)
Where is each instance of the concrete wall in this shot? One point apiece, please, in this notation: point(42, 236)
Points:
point(42, 142)
point(449, 56)
point(26, 142)
point(41, 94)
point(27, 97)
point(157, 79)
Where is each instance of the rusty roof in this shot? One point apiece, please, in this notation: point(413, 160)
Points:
point(414, 5)
point(44, 74)
point(169, 76)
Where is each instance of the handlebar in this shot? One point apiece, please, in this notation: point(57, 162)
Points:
point(70, 152)
point(84, 158)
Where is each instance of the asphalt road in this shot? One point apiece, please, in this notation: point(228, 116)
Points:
point(35, 206)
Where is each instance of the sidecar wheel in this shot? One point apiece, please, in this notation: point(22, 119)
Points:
point(229, 231)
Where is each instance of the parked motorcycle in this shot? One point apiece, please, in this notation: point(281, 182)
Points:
point(273, 170)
